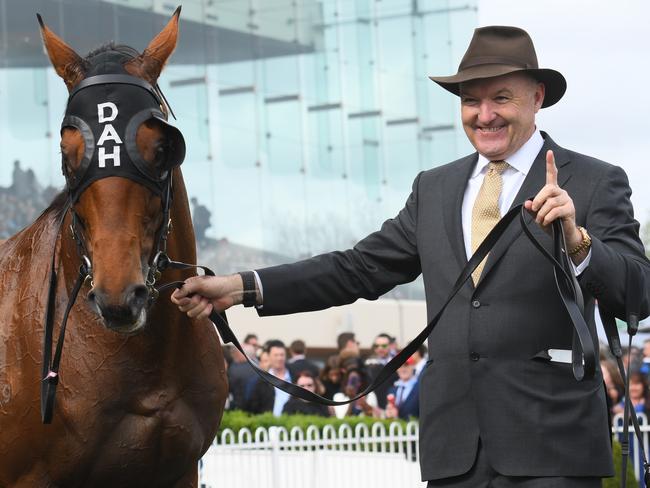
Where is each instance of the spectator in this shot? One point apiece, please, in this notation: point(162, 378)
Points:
point(613, 383)
point(298, 361)
point(421, 357)
point(201, 220)
point(253, 340)
point(264, 397)
point(639, 393)
point(240, 374)
point(392, 347)
point(374, 364)
point(404, 396)
point(346, 341)
point(264, 364)
point(355, 380)
point(305, 379)
point(330, 376)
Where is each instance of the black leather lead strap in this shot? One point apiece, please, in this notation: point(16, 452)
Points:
point(48, 383)
point(566, 287)
point(635, 288)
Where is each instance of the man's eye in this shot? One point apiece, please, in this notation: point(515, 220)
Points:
point(501, 99)
point(468, 100)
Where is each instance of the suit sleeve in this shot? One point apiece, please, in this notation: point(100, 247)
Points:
point(615, 240)
point(374, 266)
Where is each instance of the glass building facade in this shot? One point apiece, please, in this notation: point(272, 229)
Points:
point(305, 121)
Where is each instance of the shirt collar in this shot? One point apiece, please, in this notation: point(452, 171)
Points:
point(521, 161)
point(406, 383)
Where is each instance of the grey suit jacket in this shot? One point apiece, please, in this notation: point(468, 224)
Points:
point(488, 377)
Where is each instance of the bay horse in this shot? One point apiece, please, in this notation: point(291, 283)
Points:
point(142, 387)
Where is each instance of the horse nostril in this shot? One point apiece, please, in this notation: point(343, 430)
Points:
point(136, 296)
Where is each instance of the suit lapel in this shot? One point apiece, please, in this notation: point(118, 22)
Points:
point(452, 202)
point(535, 180)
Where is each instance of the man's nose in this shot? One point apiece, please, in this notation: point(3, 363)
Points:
point(485, 113)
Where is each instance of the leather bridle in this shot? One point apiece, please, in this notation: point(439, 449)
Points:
point(76, 185)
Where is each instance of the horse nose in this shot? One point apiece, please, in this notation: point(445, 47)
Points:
point(122, 310)
point(136, 297)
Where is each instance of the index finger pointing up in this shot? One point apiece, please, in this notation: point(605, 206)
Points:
point(551, 169)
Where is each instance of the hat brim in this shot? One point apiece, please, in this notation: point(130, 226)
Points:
point(553, 80)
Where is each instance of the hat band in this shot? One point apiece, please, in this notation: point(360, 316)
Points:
point(481, 60)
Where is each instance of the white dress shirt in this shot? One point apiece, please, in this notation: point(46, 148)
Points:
point(513, 177)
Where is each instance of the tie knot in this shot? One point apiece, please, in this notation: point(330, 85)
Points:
point(498, 166)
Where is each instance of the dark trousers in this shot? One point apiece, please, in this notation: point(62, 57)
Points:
point(483, 476)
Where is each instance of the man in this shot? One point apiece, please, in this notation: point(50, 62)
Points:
point(299, 362)
point(403, 394)
point(240, 374)
point(381, 354)
point(496, 408)
point(263, 397)
point(347, 341)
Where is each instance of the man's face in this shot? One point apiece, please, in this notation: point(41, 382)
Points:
point(405, 372)
point(277, 357)
point(380, 347)
point(498, 113)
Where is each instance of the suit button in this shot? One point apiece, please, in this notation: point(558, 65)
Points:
point(476, 304)
point(474, 356)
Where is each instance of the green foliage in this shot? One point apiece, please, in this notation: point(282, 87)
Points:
point(615, 482)
point(236, 420)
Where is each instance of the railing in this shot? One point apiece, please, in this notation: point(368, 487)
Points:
point(347, 457)
point(274, 457)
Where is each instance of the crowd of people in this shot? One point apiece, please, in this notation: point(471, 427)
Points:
point(340, 377)
point(639, 372)
point(22, 201)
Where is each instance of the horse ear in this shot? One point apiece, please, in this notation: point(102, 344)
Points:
point(153, 59)
point(67, 63)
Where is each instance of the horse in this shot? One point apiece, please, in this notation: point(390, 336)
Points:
point(142, 386)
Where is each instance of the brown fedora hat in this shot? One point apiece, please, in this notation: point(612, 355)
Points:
point(499, 50)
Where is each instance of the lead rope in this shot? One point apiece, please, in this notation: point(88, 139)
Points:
point(583, 353)
point(635, 288)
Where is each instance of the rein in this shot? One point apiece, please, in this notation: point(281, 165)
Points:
point(583, 352)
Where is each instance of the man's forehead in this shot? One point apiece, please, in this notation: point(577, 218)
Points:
point(510, 81)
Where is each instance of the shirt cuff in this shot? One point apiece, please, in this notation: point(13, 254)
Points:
point(577, 270)
point(258, 282)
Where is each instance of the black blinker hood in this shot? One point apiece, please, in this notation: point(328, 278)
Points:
point(108, 109)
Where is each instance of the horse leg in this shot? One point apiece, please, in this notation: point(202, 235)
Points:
point(190, 480)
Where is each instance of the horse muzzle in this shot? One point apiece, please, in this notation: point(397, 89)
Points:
point(127, 315)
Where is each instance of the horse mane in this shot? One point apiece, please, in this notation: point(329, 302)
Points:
point(56, 206)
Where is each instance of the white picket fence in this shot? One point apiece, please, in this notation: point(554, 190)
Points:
point(344, 458)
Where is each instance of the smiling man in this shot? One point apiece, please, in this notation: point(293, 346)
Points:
point(499, 406)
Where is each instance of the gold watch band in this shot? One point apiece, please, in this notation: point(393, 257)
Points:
point(585, 244)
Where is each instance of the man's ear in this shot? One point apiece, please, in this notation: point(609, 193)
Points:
point(67, 63)
point(153, 59)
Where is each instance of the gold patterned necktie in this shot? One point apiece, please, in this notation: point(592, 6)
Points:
point(486, 212)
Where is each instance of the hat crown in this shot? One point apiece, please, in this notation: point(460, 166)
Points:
point(500, 45)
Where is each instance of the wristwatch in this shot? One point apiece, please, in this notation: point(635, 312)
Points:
point(585, 244)
point(249, 298)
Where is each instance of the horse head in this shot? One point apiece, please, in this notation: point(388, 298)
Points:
point(118, 155)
